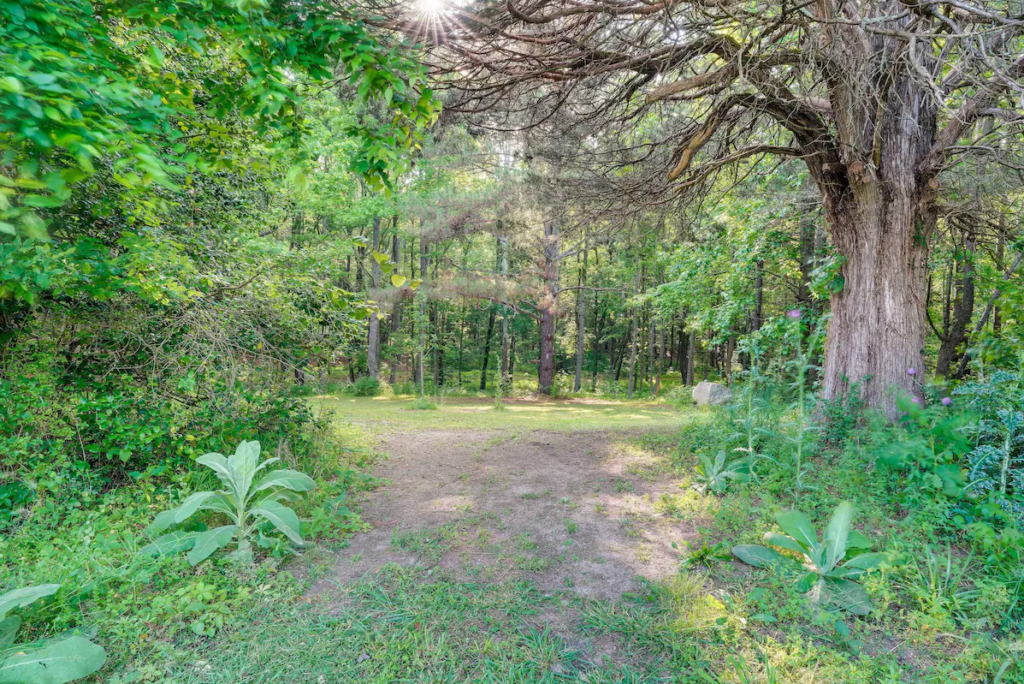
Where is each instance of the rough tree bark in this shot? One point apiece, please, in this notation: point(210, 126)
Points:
point(548, 307)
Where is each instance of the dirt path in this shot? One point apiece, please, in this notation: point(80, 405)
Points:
point(566, 510)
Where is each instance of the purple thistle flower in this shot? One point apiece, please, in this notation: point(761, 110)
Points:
point(794, 313)
point(946, 401)
point(911, 371)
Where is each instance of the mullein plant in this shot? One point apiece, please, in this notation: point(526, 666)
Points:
point(799, 431)
point(753, 423)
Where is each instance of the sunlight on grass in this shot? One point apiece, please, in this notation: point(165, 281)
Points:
point(390, 413)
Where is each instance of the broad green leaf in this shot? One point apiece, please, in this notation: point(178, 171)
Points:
point(836, 534)
point(782, 541)
point(796, 525)
point(398, 280)
point(865, 563)
point(179, 514)
point(170, 543)
point(289, 479)
point(856, 540)
point(758, 556)
point(281, 517)
point(56, 662)
point(219, 464)
point(8, 630)
point(221, 503)
point(242, 465)
point(24, 596)
point(847, 595)
point(209, 541)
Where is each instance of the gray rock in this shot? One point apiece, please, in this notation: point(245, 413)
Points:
point(711, 394)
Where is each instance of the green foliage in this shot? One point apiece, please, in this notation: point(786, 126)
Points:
point(833, 564)
point(715, 476)
point(49, 661)
point(929, 450)
point(253, 507)
point(366, 387)
point(704, 556)
point(91, 84)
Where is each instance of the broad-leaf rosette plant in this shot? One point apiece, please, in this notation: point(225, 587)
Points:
point(49, 661)
point(830, 567)
point(254, 506)
point(714, 476)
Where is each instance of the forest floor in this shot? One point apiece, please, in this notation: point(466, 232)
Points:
point(544, 543)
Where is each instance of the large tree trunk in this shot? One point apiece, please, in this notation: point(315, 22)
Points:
point(877, 331)
point(373, 341)
point(548, 309)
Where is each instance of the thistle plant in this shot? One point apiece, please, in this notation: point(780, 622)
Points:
point(253, 508)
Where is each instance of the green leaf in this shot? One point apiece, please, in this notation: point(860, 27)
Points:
point(218, 464)
point(11, 84)
point(856, 540)
point(242, 465)
point(398, 280)
point(796, 525)
point(8, 630)
point(782, 541)
point(847, 595)
point(865, 563)
point(289, 479)
point(170, 543)
point(281, 517)
point(24, 596)
point(56, 662)
point(835, 535)
point(180, 514)
point(758, 556)
point(209, 541)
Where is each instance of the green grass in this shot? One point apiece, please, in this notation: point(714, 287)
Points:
point(460, 413)
point(409, 625)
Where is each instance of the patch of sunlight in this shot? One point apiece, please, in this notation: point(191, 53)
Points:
point(693, 605)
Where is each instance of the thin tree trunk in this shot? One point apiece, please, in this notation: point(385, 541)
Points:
point(396, 310)
point(581, 308)
point(487, 350)
point(506, 379)
point(963, 310)
point(373, 342)
point(691, 352)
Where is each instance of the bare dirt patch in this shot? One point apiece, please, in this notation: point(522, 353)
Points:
point(576, 511)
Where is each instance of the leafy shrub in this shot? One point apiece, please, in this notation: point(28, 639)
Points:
point(366, 387)
point(829, 567)
point(422, 404)
point(929, 448)
point(251, 507)
point(50, 661)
